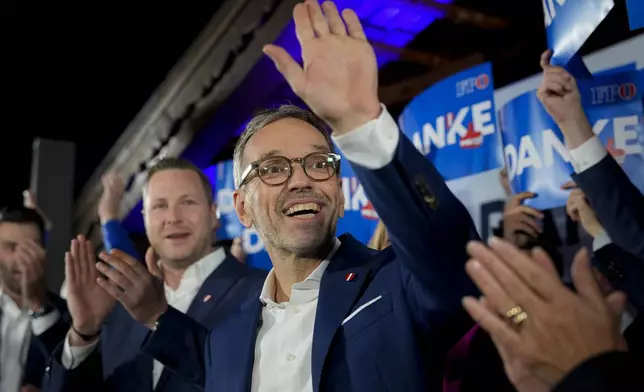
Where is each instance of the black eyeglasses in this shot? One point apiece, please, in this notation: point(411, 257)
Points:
point(276, 170)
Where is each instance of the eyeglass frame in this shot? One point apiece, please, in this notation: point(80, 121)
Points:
point(246, 177)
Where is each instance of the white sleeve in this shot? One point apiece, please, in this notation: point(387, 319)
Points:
point(602, 239)
point(587, 155)
point(74, 356)
point(373, 144)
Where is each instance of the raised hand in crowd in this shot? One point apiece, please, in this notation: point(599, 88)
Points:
point(579, 210)
point(29, 201)
point(343, 93)
point(110, 202)
point(520, 222)
point(560, 97)
point(542, 329)
point(139, 290)
point(88, 304)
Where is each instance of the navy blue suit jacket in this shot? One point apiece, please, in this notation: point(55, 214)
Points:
point(42, 346)
point(119, 365)
point(619, 205)
point(398, 342)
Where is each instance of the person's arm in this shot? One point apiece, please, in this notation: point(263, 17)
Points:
point(625, 272)
point(116, 237)
point(178, 342)
point(428, 226)
point(85, 376)
point(616, 201)
point(614, 371)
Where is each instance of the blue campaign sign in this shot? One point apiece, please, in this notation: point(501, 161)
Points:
point(453, 123)
point(534, 149)
point(360, 219)
point(569, 23)
point(535, 154)
point(614, 107)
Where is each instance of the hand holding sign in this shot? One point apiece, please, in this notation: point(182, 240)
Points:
point(560, 97)
point(339, 80)
point(520, 222)
point(579, 210)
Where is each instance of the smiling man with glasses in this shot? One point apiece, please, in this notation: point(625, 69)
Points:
point(333, 315)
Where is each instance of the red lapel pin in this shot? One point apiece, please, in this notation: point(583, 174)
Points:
point(207, 298)
point(350, 277)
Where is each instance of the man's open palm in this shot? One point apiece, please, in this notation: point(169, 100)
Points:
point(89, 305)
point(339, 80)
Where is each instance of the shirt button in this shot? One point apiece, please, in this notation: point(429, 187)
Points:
point(290, 357)
point(296, 310)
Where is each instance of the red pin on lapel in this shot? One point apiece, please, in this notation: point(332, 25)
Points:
point(350, 277)
point(207, 298)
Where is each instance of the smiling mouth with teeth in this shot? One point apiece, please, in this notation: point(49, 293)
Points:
point(305, 210)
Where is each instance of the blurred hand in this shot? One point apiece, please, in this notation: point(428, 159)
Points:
point(520, 222)
point(29, 257)
point(237, 250)
point(339, 80)
point(110, 202)
point(88, 304)
point(561, 329)
point(560, 97)
point(579, 210)
point(29, 201)
point(138, 289)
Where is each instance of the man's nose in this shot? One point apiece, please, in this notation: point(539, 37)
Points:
point(299, 179)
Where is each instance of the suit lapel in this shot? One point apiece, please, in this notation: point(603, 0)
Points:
point(339, 291)
point(214, 288)
point(211, 292)
point(243, 336)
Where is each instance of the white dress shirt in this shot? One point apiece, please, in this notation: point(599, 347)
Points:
point(16, 329)
point(284, 342)
point(180, 299)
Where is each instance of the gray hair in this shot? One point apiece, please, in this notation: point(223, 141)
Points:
point(266, 117)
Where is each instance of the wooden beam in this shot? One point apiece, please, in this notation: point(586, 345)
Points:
point(407, 89)
point(462, 15)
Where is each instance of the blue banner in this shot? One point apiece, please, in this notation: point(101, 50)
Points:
point(569, 23)
point(360, 219)
point(635, 9)
point(453, 123)
point(536, 157)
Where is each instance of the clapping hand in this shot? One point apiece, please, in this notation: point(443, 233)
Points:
point(139, 289)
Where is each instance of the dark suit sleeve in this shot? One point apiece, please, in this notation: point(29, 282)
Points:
point(619, 205)
point(42, 346)
point(88, 376)
point(623, 270)
point(614, 371)
point(179, 343)
point(428, 228)
point(116, 237)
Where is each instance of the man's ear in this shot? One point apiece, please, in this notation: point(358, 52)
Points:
point(241, 208)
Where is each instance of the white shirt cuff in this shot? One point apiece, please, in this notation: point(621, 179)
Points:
point(373, 144)
point(74, 356)
point(587, 155)
point(42, 324)
point(601, 239)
